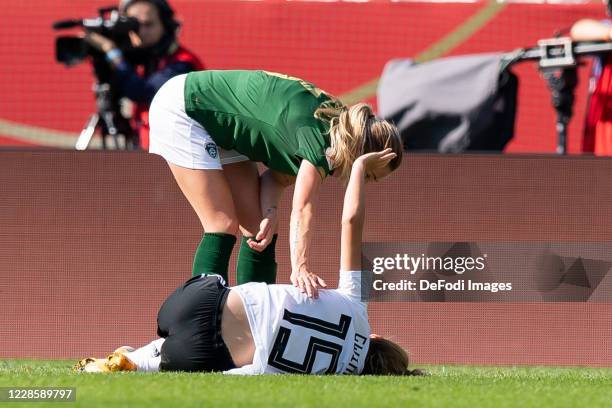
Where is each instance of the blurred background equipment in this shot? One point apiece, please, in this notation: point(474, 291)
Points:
point(451, 105)
point(71, 50)
point(340, 46)
point(468, 103)
point(134, 50)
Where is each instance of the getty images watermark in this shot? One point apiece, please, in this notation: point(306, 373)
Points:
point(489, 272)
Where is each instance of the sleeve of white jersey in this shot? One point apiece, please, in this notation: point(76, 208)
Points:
point(350, 285)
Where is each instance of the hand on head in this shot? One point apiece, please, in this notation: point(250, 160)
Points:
point(375, 165)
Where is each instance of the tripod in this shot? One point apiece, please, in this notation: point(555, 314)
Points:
point(115, 129)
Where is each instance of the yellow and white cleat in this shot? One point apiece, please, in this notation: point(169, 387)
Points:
point(117, 361)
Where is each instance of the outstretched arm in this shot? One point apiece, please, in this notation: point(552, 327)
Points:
point(591, 30)
point(353, 212)
point(305, 196)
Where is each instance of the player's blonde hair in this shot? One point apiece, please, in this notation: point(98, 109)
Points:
point(355, 131)
point(387, 358)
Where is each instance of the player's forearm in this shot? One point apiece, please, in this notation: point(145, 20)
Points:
point(353, 210)
point(299, 236)
point(271, 191)
point(353, 214)
point(305, 196)
point(591, 30)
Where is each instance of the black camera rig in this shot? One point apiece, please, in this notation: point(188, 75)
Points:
point(558, 59)
point(72, 50)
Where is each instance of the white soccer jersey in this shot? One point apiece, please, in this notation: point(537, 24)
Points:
point(297, 334)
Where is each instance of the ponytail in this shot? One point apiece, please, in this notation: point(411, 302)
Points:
point(355, 131)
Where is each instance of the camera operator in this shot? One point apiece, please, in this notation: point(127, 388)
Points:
point(597, 137)
point(160, 58)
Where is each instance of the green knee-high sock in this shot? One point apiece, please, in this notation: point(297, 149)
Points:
point(253, 266)
point(213, 254)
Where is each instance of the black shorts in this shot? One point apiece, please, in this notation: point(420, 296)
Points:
point(190, 321)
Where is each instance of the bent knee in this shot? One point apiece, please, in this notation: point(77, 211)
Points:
point(221, 222)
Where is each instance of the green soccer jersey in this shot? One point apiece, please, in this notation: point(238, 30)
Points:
point(265, 116)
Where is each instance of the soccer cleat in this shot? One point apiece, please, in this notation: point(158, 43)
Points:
point(87, 365)
point(117, 361)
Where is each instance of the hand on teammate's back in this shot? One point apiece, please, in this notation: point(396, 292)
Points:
point(308, 282)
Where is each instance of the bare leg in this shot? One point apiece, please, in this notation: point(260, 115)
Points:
point(243, 179)
point(209, 194)
point(258, 266)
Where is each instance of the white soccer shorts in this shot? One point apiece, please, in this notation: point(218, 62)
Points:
point(178, 138)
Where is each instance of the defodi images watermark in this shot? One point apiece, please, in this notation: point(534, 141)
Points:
point(487, 272)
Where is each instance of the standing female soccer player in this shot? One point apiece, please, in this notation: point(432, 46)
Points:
point(257, 328)
point(213, 126)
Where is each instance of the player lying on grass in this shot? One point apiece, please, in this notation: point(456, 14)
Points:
point(257, 328)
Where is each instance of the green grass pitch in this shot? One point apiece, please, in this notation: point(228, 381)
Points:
point(447, 386)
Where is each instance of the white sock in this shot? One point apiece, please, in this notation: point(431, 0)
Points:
point(147, 358)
